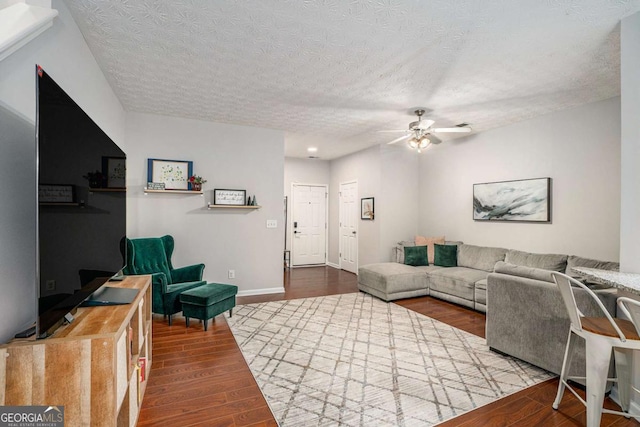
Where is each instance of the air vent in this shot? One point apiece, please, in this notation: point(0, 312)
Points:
point(462, 125)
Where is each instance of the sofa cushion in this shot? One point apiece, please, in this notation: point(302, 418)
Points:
point(429, 242)
point(415, 255)
point(398, 250)
point(446, 255)
point(480, 295)
point(576, 261)
point(457, 281)
point(522, 271)
point(554, 262)
point(479, 257)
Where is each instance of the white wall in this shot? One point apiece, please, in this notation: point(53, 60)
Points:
point(630, 179)
point(230, 157)
point(390, 175)
point(578, 148)
point(363, 167)
point(63, 53)
point(397, 208)
point(303, 171)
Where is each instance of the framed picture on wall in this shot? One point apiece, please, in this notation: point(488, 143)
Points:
point(524, 200)
point(173, 173)
point(367, 208)
point(114, 168)
point(229, 197)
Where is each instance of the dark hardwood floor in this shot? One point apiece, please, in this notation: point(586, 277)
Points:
point(200, 378)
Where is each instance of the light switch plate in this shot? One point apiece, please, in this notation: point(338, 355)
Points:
point(272, 223)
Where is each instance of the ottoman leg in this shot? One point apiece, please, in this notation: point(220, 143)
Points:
point(187, 321)
point(170, 318)
point(206, 323)
point(231, 312)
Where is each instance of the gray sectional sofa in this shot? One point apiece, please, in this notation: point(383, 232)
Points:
point(465, 284)
point(526, 317)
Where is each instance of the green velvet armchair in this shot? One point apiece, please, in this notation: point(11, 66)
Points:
point(153, 256)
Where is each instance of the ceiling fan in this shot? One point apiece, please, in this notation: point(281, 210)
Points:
point(420, 132)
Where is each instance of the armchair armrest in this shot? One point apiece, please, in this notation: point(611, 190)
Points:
point(159, 282)
point(191, 273)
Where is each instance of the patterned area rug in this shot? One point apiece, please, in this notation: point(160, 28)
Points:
point(354, 360)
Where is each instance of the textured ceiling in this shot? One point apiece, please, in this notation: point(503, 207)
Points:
point(332, 72)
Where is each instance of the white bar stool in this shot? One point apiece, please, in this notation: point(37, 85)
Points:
point(601, 335)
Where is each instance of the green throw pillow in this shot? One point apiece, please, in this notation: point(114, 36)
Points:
point(446, 255)
point(415, 255)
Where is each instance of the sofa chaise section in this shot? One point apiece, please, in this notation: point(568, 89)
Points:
point(391, 280)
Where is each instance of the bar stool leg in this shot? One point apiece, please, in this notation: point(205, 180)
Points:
point(566, 365)
point(624, 359)
point(598, 355)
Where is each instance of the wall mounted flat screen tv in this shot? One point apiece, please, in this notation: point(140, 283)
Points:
point(81, 205)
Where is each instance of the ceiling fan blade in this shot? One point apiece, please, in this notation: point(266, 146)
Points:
point(434, 139)
point(424, 124)
point(452, 130)
point(398, 139)
point(395, 130)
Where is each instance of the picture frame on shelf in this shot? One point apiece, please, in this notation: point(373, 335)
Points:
point(114, 169)
point(223, 196)
point(523, 200)
point(56, 193)
point(173, 173)
point(367, 208)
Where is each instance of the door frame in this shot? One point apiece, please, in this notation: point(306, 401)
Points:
point(353, 181)
point(326, 220)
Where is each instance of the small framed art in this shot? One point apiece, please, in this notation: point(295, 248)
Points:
point(56, 193)
point(114, 168)
point(229, 197)
point(367, 208)
point(173, 173)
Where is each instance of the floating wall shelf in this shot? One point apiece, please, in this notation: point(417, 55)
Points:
point(146, 190)
point(107, 190)
point(212, 206)
point(22, 22)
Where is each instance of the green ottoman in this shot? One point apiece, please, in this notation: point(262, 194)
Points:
point(207, 301)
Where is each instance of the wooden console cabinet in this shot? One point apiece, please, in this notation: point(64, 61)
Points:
point(92, 366)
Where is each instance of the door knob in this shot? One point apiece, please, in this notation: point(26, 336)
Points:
point(353, 232)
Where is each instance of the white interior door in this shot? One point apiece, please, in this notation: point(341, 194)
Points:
point(349, 226)
point(309, 225)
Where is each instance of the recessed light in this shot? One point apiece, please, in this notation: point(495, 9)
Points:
point(312, 149)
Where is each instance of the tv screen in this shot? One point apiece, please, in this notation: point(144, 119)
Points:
point(81, 205)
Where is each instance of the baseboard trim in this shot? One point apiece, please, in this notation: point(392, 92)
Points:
point(263, 291)
point(330, 264)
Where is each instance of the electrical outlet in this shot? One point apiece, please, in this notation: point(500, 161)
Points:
point(272, 223)
point(232, 274)
point(50, 285)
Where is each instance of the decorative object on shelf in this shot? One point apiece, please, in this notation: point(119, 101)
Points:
point(525, 200)
point(229, 197)
point(367, 208)
point(96, 179)
point(249, 200)
point(253, 201)
point(54, 193)
point(173, 173)
point(155, 186)
point(114, 171)
point(196, 182)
